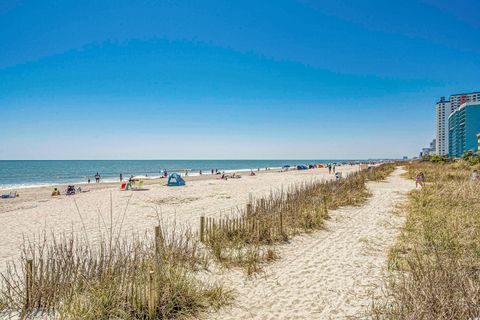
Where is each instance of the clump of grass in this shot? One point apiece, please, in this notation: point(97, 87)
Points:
point(139, 277)
point(435, 266)
point(247, 240)
point(381, 172)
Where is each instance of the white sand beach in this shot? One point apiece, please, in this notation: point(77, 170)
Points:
point(331, 273)
point(36, 211)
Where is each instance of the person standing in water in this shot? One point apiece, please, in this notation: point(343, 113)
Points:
point(97, 177)
point(121, 177)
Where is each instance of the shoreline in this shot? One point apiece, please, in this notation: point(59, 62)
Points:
point(35, 211)
point(36, 174)
point(314, 275)
point(43, 193)
point(110, 180)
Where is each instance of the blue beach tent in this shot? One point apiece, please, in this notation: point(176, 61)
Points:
point(174, 180)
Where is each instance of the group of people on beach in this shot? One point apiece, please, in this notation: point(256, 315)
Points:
point(11, 194)
point(97, 178)
point(71, 190)
point(331, 168)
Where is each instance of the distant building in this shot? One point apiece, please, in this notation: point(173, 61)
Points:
point(425, 152)
point(429, 151)
point(456, 100)
point(442, 111)
point(433, 147)
point(464, 126)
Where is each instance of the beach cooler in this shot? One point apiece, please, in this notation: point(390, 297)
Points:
point(123, 186)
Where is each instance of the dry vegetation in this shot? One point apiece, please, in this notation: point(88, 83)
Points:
point(112, 277)
point(155, 277)
point(246, 239)
point(435, 267)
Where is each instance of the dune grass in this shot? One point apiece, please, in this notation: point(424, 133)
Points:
point(111, 277)
point(156, 277)
point(435, 266)
point(300, 208)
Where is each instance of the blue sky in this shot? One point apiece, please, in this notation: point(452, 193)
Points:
point(230, 79)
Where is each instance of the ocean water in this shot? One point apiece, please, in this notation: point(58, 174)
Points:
point(31, 173)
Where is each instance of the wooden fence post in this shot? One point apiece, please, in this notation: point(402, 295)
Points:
point(281, 223)
point(325, 204)
point(29, 283)
point(202, 229)
point(151, 297)
point(212, 227)
point(157, 239)
point(249, 209)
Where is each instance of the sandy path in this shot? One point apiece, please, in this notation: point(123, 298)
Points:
point(330, 274)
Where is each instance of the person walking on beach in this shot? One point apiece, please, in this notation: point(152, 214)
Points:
point(420, 180)
point(97, 177)
point(329, 168)
point(121, 177)
point(333, 168)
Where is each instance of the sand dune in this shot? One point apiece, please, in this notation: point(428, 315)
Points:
point(35, 211)
point(330, 274)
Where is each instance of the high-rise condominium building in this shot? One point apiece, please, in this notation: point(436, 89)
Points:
point(464, 126)
point(442, 111)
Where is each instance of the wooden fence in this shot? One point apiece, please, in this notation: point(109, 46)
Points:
point(260, 222)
